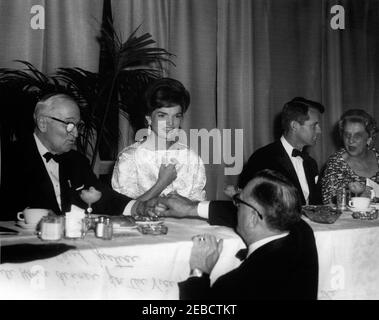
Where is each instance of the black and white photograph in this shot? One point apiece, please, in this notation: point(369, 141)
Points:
point(208, 151)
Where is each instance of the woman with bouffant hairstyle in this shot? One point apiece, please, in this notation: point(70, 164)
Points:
point(357, 163)
point(160, 164)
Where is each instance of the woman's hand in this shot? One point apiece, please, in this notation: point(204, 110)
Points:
point(175, 205)
point(167, 174)
point(356, 187)
point(368, 192)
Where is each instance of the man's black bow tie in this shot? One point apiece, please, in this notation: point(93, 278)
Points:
point(48, 156)
point(241, 254)
point(297, 153)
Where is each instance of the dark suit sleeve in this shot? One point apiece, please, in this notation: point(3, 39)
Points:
point(12, 189)
point(111, 202)
point(315, 197)
point(195, 288)
point(305, 260)
point(255, 163)
point(222, 213)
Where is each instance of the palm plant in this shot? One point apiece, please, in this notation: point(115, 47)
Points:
point(20, 90)
point(133, 65)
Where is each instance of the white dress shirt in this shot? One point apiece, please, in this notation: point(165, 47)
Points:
point(203, 207)
point(255, 245)
point(52, 168)
point(203, 212)
point(299, 168)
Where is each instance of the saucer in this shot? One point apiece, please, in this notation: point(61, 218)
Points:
point(27, 226)
point(370, 208)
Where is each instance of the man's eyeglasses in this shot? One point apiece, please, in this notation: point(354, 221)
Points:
point(69, 125)
point(237, 201)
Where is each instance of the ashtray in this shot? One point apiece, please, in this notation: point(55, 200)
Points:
point(153, 229)
point(321, 214)
point(139, 218)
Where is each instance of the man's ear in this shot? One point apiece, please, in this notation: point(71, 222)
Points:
point(253, 220)
point(41, 124)
point(294, 125)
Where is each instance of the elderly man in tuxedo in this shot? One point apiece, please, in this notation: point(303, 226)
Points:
point(301, 127)
point(46, 171)
point(281, 261)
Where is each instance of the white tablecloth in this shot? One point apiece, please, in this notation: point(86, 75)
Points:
point(149, 267)
point(348, 253)
point(128, 267)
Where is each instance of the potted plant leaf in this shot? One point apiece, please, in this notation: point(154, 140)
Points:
point(133, 64)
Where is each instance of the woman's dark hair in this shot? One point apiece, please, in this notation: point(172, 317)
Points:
point(358, 116)
point(165, 93)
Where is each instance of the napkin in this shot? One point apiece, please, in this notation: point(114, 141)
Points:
point(73, 222)
point(76, 211)
point(374, 186)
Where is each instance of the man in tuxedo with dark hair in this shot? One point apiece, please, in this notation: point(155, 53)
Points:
point(46, 171)
point(300, 123)
point(281, 260)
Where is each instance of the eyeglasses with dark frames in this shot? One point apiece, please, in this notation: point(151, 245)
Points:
point(237, 201)
point(69, 125)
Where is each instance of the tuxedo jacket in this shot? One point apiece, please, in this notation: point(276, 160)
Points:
point(275, 157)
point(26, 183)
point(286, 268)
point(222, 213)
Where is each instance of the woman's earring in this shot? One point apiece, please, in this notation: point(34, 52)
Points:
point(149, 130)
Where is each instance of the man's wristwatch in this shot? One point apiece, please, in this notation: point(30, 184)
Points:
point(196, 273)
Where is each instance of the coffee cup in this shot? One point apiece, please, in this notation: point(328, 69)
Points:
point(360, 203)
point(32, 215)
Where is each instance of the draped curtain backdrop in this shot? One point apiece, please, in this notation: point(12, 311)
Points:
point(241, 60)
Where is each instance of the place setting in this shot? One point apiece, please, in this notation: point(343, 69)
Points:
point(362, 208)
point(29, 219)
point(77, 224)
point(28, 224)
point(120, 225)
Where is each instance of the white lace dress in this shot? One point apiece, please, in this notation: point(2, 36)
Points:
point(137, 168)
